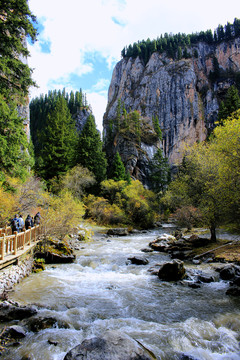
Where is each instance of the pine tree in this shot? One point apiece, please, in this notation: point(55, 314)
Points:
point(117, 171)
point(160, 172)
point(90, 153)
point(16, 23)
point(230, 104)
point(14, 156)
point(58, 141)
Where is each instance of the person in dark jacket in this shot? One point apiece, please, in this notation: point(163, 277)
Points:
point(15, 224)
point(37, 218)
point(28, 222)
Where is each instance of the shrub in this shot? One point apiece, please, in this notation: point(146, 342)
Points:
point(99, 209)
point(188, 216)
point(140, 204)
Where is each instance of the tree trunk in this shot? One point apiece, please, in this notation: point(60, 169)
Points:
point(213, 233)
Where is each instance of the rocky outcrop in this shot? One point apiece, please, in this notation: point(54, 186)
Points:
point(182, 94)
point(112, 346)
point(54, 252)
point(81, 117)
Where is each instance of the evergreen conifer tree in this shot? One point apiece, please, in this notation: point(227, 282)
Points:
point(90, 153)
point(16, 22)
point(14, 157)
point(160, 172)
point(230, 104)
point(117, 171)
point(58, 140)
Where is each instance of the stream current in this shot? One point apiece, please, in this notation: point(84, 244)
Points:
point(101, 291)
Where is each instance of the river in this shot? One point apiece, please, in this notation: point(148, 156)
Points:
point(100, 291)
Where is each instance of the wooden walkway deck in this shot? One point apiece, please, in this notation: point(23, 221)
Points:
point(15, 245)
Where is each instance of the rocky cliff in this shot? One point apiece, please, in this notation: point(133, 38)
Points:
point(184, 95)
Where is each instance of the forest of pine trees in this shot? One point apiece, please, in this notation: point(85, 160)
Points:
point(177, 46)
point(58, 146)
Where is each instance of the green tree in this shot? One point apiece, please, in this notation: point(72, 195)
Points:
point(76, 180)
point(230, 104)
point(209, 178)
point(90, 153)
point(160, 172)
point(156, 126)
point(16, 23)
point(179, 53)
point(117, 171)
point(59, 140)
point(14, 155)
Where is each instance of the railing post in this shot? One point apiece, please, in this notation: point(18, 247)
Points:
point(35, 234)
point(15, 243)
point(24, 239)
point(2, 246)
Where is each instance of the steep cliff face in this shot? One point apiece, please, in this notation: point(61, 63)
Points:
point(80, 117)
point(182, 94)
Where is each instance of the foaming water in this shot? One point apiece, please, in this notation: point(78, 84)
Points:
point(102, 291)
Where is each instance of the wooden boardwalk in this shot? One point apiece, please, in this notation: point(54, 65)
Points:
point(14, 245)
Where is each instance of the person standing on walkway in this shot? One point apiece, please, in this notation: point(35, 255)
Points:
point(37, 218)
point(28, 222)
point(21, 223)
point(15, 224)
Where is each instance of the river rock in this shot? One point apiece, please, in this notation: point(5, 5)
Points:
point(233, 290)
point(10, 312)
point(56, 252)
point(227, 272)
point(118, 232)
point(205, 278)
point(162, 243)
point(138, 260)
point(196, 241)
point(236, 281)
point(187, 357)
point(17, 332)
point(37, 324)
point(172, 271)
point(112, 346)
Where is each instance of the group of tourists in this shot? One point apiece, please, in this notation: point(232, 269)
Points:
point(18, 224)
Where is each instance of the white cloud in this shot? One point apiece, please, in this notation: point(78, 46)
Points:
point(76, 27)
point(98, 102)
point(102, 84)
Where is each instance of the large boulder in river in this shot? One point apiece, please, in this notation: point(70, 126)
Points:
point(163, 242)
point(172, 271)
point(54, 252)
point(112, 346)
point(118, 232)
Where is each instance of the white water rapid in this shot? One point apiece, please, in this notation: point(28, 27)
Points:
point(100, 292)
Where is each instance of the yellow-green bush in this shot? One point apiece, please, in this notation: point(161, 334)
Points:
point(123, 203)
point(140, 204)
point(99, 209)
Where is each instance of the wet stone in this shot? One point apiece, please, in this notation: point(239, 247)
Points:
point(112, 346)
point(138, 260)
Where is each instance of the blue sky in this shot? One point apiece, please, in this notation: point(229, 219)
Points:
point(80, 41)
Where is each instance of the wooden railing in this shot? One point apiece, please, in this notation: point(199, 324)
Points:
point(7, 230)
point(11, 244)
